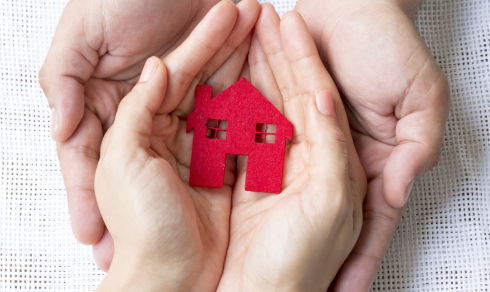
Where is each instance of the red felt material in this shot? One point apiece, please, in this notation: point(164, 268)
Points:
point(243, 107)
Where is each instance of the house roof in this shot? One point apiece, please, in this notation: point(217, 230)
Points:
point(242, 105)
point(245, 95)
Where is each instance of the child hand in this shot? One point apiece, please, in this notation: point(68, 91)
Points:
point(296, 240)
point(166, 232)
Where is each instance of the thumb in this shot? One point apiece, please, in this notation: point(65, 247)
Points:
point(70, 62)
point(328, 151)
point(135, 113)
point(419, 134)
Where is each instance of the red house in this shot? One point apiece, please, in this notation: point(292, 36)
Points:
point(240, 121)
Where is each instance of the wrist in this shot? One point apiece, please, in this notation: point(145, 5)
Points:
point(128, 274)
point(296, 280)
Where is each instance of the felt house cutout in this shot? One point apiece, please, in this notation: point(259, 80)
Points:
point(240, 121)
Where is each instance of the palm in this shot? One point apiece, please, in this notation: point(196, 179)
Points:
point(373, 82)
point(261, 220)
point(131, 34)
point(215, 64)
point(396, 100)
point(211, 207)
point(279, 241)
point(133, 31)
point(169, 142)
point(388, 79)
point(95, 59)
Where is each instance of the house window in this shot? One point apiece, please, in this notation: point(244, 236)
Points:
point(265, 133)
point(216, 129)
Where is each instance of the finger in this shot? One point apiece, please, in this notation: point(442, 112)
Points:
point(300, 50)
point(248, 12)
point(419, 135)
point(328, 162)
point(135, 113)
point(69, 63)
point(380, 223)
point(224, 77)
point(306, 65)
point(82, 150)
point(230, 71)
point(188, 59)
point(261, 74)
point(247, 15)
point(268, 31)
point(311, 76)
point(102, 97)
point(103, 251)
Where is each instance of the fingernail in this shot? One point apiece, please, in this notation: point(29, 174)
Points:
point(149, 69)
point(324, 103)
point(409, 189)
point(54, 121)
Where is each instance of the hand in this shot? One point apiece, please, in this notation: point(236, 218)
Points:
point(397, 101)
point(298, 239)
point(95, 59)
point(101, 56)
point(167, 234)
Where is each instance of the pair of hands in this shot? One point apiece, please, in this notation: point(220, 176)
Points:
point(170, 235)
point(396, 98)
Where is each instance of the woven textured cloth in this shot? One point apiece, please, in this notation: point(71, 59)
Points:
point(440, 245)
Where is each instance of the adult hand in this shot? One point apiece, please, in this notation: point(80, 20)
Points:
point(397, 101)
point(166, 232)
point(96, 58)
point(298, 239)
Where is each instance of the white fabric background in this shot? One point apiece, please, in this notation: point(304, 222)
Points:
point(440, 245)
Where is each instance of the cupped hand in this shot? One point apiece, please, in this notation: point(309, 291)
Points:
point(397, 101)
point(96, 58)
point(163, 228)
point(298, 239)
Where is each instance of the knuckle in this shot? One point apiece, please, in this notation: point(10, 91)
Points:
point(338, 140)
point(381, 217)
point(179, 75)
point(338, 136)
point(84, 151)
point(288, 93)
point(377, 258)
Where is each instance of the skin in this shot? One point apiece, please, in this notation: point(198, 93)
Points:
point(298, 239)
point(91, 65)
point(173, 237)
point(167, 234)
point(86, 94)
point(95, 59)
point(397, 101)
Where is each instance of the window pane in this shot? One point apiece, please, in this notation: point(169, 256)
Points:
point(222, 124)
point(259, 138)
point(271, 128)
point(260, 128)
point(221, 135)
point(270, 139)
point(211, 133)
point(212, 123)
